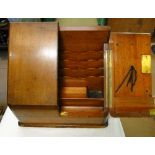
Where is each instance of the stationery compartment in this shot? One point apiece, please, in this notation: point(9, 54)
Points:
point(81, 67)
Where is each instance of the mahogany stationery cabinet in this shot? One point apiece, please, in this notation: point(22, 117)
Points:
point(76, 76)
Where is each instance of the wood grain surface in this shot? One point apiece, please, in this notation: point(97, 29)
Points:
point(37, 53)
point(74, 92)
point(32, 77)
point(127, 49)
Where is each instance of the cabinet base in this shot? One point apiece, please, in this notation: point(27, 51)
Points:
point(45, 116)
point(63, 125)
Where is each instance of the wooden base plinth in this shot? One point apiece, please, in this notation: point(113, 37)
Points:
point(63, 125)
point(45, 116)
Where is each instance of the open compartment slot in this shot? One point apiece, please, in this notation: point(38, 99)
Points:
point(81, 66)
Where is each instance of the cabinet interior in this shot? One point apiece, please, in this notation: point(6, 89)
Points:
point(81, 67)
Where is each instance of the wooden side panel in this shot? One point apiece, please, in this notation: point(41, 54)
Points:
point(32, 78)
point(127, 50)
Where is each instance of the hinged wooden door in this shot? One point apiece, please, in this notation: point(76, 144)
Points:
point(130, 77)
point(32, 78)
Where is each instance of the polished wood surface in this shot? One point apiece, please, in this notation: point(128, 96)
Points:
point(32, 77)
point(82, 73)
point(83, 64)
point(127, 49)
point(81, 56)
point(36, 94)
point(74, 92)
point(33, 95)
point(132, 106)
point(82, 102)
point(83, 38)
point(91, 82)
point(46, 116)
point(83, 111)
point(81, 60)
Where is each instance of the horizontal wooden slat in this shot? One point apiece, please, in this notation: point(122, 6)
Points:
point(78, 111)
point(73, 53)
point(89, 55)
point(82, 102)
point(73, 82)
point(82, 72)
point(132, 106)
point(82, 65)
point(94, 83)
point(72, 92)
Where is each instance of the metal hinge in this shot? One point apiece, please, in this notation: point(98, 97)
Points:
point(107, 75)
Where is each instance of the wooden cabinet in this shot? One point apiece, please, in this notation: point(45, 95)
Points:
point(66, 76)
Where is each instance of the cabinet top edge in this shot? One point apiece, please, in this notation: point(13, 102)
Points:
point(131, 33)
point(84, 28)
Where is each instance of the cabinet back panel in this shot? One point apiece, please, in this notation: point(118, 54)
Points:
point(84, 38)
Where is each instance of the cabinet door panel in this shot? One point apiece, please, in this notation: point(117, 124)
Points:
point(127, 49)
point(32, 78)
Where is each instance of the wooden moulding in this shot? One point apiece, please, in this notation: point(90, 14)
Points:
point(63, 125)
